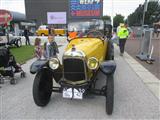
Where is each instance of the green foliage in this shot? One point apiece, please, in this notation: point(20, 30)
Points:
point(23, 53)
point(117, 20)
point(152, 15)
point(106, 18)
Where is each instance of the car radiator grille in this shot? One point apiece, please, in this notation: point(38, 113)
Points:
point(74, 69)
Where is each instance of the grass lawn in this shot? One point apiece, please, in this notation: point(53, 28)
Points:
point(23, 53)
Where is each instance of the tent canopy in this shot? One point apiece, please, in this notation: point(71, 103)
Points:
point(18, 16)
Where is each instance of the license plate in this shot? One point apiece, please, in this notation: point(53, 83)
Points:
point(73, 93)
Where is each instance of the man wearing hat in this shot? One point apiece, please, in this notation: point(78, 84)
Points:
point(123, 34)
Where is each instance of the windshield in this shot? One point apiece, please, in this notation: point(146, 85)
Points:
point(86, 26)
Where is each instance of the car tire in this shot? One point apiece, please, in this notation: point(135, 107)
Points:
point(42, 88)
point(18, 43)
point(13, 81)
point(109, 94)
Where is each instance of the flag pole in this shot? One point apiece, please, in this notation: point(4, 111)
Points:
point(112, 13)
point(144, 12)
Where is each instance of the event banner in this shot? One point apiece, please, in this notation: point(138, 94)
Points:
point(86, 8)
point(56, 17)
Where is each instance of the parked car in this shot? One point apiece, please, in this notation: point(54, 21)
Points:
point(2, 33)
point(43, 31)
point(13, 41)
point(82, 60)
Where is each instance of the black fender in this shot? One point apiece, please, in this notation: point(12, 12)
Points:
point(110, 50)
point(12, 41)
point(37, 66)
point(108, 67)
point(43, 64)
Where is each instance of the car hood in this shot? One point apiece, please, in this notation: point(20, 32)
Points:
point(91, 47)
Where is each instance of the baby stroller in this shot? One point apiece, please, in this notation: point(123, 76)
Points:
point(8, 66)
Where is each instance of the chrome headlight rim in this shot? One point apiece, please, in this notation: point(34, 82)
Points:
point(97, 63)
point(54, 63)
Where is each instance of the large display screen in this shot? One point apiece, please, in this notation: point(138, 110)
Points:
point(86, 8)
point(56, 17)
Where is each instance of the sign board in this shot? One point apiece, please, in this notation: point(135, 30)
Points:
point(86, 8)
point(28, 24)
point(56, 17)
point(5, 17)
point(73, 93)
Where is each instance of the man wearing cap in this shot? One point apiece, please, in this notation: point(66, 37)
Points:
point(118, 28)
point(123, 34)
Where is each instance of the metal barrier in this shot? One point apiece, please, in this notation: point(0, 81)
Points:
point(146, 49)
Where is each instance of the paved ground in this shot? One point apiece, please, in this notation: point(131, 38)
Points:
point(133, 99)
point(133, 47)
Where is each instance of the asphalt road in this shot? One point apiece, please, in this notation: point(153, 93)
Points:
point(133, 100)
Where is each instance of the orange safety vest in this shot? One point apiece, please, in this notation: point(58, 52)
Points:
point(72, 35)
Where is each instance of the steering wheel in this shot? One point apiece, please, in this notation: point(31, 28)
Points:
point(95, 34)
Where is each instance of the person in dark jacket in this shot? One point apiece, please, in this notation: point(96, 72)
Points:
point(26, 35)
point(51, 48)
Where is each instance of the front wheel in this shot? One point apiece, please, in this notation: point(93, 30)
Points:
point(18, 43)
point(13, 81)
point(109, 94)
point(42, 88)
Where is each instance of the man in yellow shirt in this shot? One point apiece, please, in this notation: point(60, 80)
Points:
point(123, 34)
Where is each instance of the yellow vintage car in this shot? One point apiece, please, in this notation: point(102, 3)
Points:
point(43, 31)
point(83, 59)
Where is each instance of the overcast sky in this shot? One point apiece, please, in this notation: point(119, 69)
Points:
point(13, 5)
point(124, 7)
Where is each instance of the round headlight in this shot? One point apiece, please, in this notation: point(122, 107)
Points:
point(92, 63)
point(54, 63)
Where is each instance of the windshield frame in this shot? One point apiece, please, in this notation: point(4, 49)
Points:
point(84, 27)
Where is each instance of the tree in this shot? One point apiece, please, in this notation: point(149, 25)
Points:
point(106, 18)
point(117, 20)
point(136, 17)
point(152, 15)
point(152, 12)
